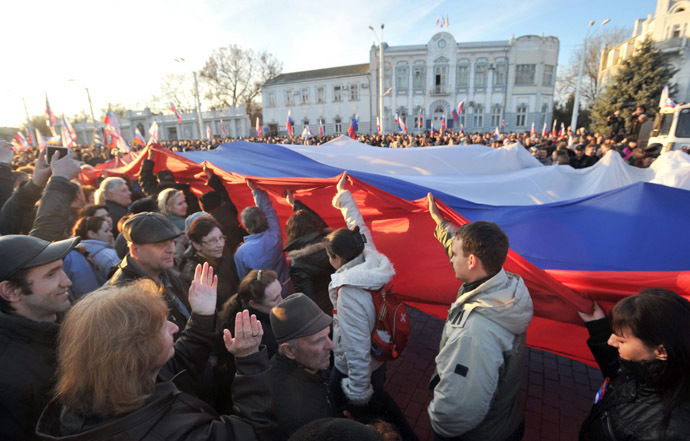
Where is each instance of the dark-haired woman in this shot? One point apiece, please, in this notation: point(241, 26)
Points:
point(357, 378)
point(310, 268)
point(259, 292)
point(96, 236)
point(207, 244)
point(644, 354)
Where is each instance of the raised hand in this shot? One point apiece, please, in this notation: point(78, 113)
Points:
point(248, 333)
point(66, 167)
point(42, 170)
point(289, 197)
point(596, 315)
point(341, 183)
point(207, 171)
point(433, 209)
point(203, 291)
point(6, 152)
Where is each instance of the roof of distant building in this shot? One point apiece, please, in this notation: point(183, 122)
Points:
point(355, 69)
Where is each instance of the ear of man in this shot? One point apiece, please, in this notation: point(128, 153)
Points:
point(9, 291)
point(287, 350)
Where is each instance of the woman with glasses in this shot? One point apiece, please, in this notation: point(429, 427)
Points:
point(259, 292)
point(207, 244)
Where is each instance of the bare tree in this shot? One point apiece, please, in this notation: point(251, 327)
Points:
point(234, 75)
point(567, 77)
point(179, 89)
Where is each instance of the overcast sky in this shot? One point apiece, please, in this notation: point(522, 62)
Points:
point(121, 49)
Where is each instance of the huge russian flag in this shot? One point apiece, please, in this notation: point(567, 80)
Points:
point(619, 234)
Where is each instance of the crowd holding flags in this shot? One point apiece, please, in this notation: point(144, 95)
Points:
point(209, 133)
point(553, 127)
point(562, 131)
point(421, 118)
point(177, 114)
point(544, 132)
point(533, 131)
point(401, 124)
point(288, 124)
point(138, 138)
point(19, 142)
point(69, 136)
point(323, 132)
point(112, 129)
point(50, 122)
point(258, 127)
point(352, 131)
point(443, 123)
point(153, 133)
point(496, 134)
point(39, 140)
point(222, 127)
point(306, 133)
point(378, 126)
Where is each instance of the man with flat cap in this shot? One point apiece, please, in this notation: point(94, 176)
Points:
point(33, 292)
point(299, 376)
point(151, 242)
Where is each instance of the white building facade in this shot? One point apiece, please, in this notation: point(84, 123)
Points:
point(511, 81)
point(668, 28)
point(234, 120)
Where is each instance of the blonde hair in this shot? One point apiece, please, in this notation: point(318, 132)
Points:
point(109, 348)
point(165, 198)
point(99, 197)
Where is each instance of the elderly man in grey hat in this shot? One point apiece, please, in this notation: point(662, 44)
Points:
point(33, 291)
point(299, 369)
point(151, 241)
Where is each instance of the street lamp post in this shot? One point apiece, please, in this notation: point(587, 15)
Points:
point(198, 102)
point(576, 104)
point(380, 74)
point(93, 117)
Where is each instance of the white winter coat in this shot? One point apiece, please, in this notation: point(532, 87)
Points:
point(356, 316)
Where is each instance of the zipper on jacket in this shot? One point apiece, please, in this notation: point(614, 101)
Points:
point(609, 429)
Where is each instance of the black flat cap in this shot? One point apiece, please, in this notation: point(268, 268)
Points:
point(297, 316)
point(149, 228)
point(143, 205)
point(18, 252)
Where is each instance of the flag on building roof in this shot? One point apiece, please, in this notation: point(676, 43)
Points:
point(447, 21)
point(177, 114)
point(288, 124)
point(69, 136)
point(153, 133)
point(443, 123)
point(322, 131)
point(138, 138)
point(352, 131)
point(258, 127)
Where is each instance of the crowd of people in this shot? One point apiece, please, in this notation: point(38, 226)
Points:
point(136, 310)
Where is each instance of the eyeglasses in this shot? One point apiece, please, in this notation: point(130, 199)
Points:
point(218, 240)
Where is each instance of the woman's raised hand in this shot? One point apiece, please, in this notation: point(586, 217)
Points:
point(203, 292)
point(342, 182)
point(248, 334)
point(596, 315)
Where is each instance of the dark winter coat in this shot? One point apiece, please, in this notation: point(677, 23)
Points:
point(226, 215)
point(300, 397)
point(150, 186)
point(631, 408)
point(17, 215)
point(27, 363)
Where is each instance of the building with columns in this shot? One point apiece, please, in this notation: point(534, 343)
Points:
point(233, 119)
point(668, 28)
point(511, 81)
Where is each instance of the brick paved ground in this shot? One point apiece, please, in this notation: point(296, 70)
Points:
point(558, 392)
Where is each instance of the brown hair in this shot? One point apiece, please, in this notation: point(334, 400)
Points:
point(202, 227)
point(487, 241)
point(86, 224)
point(301, 223)
point(252, 287)
point(108, 349)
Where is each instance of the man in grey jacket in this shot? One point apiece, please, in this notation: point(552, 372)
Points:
point(481, 359)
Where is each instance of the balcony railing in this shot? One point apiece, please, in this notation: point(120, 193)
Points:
point(439, 90)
